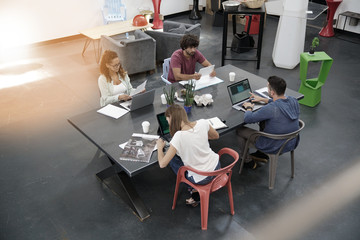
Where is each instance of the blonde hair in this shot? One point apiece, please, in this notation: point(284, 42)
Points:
point(106, 58)
point(177, 115)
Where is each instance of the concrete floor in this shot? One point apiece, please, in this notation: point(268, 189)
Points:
point(48, 186)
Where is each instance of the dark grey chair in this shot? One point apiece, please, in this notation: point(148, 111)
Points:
point(168, 40)
point(136, 54)
point(273, 158)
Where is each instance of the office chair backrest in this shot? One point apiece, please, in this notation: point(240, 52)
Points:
point(166, 67)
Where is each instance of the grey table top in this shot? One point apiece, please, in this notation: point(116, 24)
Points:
point(107, 133)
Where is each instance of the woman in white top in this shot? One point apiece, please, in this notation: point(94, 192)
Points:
point(189, 146)
point(114, 83)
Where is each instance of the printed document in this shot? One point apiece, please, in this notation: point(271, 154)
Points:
point(139, 89)
point(205, 80)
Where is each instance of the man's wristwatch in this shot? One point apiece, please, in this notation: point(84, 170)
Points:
point(249, 107)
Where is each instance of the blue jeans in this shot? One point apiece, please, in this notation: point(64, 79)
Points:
point(176, 163)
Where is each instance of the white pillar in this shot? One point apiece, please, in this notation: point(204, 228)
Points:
point(290, 35)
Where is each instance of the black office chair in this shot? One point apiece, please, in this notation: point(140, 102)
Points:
point(273, 158)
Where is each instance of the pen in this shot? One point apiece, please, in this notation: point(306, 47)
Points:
point(211, 123)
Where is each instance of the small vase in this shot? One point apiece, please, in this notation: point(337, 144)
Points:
point(187, 109)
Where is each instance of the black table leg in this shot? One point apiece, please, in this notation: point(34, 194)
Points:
point(224, 43)
point(195, 14)
point(259, 46)
point(113, 176)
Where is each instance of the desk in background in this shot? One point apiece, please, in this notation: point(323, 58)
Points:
point(243, 11)
point(94, 34)
point(107, 133)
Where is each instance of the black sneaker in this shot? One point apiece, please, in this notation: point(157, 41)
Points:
point(252, 164)
point(259, 156)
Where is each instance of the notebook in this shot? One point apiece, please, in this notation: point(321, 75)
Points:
point(164, 129)
point(140, 100)
point(239, 93)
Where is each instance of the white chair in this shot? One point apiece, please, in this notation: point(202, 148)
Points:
point(113, 11)
point(166, 67)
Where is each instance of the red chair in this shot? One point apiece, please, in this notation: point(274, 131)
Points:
point(223, 178)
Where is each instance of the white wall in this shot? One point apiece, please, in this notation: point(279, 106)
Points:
point(25, 22)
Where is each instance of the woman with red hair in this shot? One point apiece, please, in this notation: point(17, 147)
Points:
point(114, 83)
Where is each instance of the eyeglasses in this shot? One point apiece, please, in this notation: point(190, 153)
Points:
point(115, 66)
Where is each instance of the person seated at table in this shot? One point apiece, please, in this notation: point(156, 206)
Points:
point(280, 115)
point(189, 146)
point(183, 61)
point(114, 83)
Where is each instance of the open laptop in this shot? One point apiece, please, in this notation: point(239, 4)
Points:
point(140, 100)
point(239, 93)
point(164, 129)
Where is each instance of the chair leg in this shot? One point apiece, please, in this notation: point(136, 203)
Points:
point(231, 200)
point(243, 160)
point(204, 205)
point(272, 170)
point(176, 194)
point(292, 164)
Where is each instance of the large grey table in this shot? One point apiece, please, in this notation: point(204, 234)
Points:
point(107, 133)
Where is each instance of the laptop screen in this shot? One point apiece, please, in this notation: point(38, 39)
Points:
point(239, 91)
point(163, 123)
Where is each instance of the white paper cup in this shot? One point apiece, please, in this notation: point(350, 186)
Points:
point(163, 99)
point(145, 125)
point(232, 76)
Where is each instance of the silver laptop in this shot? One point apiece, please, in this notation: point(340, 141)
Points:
point(239, 93)
point(139, 100)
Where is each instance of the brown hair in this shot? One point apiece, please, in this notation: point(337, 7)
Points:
point(177, 115)
point(106, 58)
point(189, 40)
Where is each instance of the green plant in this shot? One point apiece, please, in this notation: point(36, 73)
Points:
point(189, 93)
point(315, 42)
point(170, 95)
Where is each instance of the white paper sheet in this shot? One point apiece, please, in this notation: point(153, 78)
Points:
point(206, 70)
point(263, 92)
point(112, 111)
point(139, 89)
point(216, 123)
point(203, 82)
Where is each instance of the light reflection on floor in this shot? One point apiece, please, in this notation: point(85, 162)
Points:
point(18, 73)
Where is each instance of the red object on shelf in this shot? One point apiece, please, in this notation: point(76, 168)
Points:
point(139, 21)
point(328, 30)
point(255, 23)
point(158, 24)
